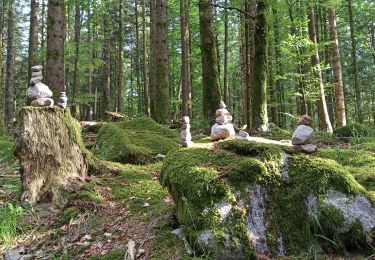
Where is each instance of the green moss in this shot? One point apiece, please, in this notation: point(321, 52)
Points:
point(116, 254)
point(137, 141)
point(277, 133)
point(354, 130)
point(69, 214)
point(88, 192)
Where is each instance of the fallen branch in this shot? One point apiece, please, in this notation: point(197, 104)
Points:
point(9, 176)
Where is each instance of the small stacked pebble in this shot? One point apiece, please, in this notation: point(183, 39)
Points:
point(63, 100)
point(302, 136)
point(223, 127)
point(39, 93)
point(243, 136)
point(185, 132)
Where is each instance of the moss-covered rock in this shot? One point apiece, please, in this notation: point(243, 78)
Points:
point(354, 130)
point(243, 199)
point(136, 142)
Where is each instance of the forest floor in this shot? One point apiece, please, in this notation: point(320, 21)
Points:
point(126, 204)
point(98, 224)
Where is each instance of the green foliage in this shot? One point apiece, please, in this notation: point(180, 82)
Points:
point(354, 130)
point(137, 141)
point(9, 217)
point(277, 133)
point(69, 214)
point(6, 151)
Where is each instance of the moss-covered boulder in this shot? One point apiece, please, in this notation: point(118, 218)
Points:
point(137, 141)
point(354, 130)
point(243, 199)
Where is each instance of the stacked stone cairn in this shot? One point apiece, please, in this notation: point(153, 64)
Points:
point(223, 128)
point(302, 136)
point(185, 132)
point(39, 93)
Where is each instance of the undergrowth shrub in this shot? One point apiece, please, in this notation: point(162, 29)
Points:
point(9, 216)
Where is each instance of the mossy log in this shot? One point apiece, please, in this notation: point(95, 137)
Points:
point(51, 153)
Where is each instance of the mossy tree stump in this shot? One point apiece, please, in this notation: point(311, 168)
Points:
point(51, 153)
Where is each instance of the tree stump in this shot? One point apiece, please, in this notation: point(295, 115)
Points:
point(51, 153)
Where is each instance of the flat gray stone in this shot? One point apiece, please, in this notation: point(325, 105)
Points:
point(12, 255)
point(35, 80)
point(302, 135)
point(36, 74)
point(39, 90)
point(219, 132)
point(42, 102)
point(36, 68)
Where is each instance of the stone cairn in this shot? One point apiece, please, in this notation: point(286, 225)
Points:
point(223, 128)
point(185, 132)
point(302, 136)
point(39, 93)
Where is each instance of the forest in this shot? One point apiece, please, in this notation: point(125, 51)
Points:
point(191, 129)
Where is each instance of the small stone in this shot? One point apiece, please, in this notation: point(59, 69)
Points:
point(219, 132)
point(107, 235)
point(221, 120)
point(12, 255)
point(36, 74)
point(309, 148)
point(302, 135)
point(185, 126)
point(39, 90)
point(160, 157)
point(63, 100)
point(186, 119)
point(241, 138)
point(185, 135)
point(187, 143)
point(242, 133)
point(37, 68)
point(222, 112)
point(42, 102)
point(178, 232)
point(27, 257)
point(35, 80)
point(222, 104)
point(305, 120)
point(230, 118)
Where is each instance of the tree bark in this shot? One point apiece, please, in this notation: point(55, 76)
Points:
point(138, 62)
point(160, 112)
point(77, 39)
point(357, 86)
point(226, 89)
point(9, 81)
point(337, 72)
point(210, 74)
point(33, 35)
point(121, 87)
point(51, 153)
point(106, 103)
point(259, 87)
point(324, 121)
point(55, 72)
point(145, 65)
point(185, 58)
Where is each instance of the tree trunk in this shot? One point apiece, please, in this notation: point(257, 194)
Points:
point(337, 72)
point(51, 153)
point(185, 58)
point(33, 35)
point(120, 95)
point(324, 121)
point(106, 103)
point(55, 72)
point(138, 63)
point(357, 86)
point(226, 90)
point(2, 14)
point(77, 38)
point(210, 74)
point(9, 82)
point(145, 65)
point(43, 32)
point(160, 113)
point(259, 87)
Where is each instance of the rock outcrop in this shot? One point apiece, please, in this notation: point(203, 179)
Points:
point(249, 200)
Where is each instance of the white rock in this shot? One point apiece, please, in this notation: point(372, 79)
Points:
point(302, 135)
point(39, 90)
point(186, 119)
point(186, 135)
point(178, 232)
point(36, 74)
point(241, 138)
point(42, 102)
point(185, 126)
point(222, 104)
point(160, 157)
point(230, 118)
point(221, 112)
point(12, 255)
point(36, 68)
point(309, 148)
point(222, 120)
point(35, 80)
point(222, 131)
point(243, 133)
